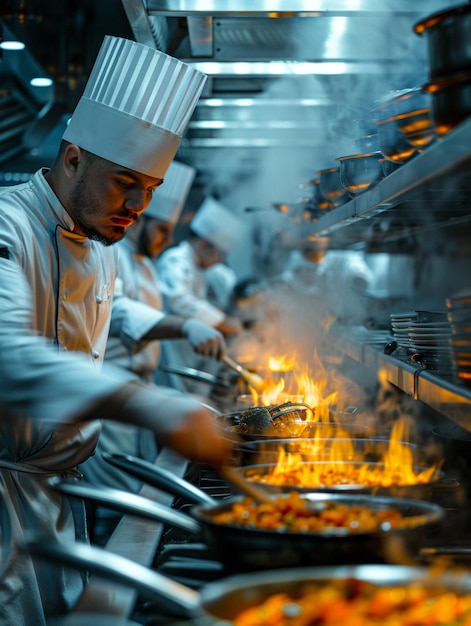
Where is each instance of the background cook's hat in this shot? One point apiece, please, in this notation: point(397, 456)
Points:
point(168, 199)
point(217, 224)
point(135, 106)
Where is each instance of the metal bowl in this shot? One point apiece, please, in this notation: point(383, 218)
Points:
point(331, 186)
point(359, 172)
point(393, 142)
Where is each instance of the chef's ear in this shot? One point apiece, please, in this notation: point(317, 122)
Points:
point(71, 160)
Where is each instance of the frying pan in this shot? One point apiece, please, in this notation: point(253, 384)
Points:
point(304, 429)
point(252, 548)
point(417, 490)
point(314, 449)
point(226, 598)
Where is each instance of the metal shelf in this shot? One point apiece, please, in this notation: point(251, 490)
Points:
point(434, 188)
point(442, 392)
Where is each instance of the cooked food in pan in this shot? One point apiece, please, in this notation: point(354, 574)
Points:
point(297, 514)
point(354, 602)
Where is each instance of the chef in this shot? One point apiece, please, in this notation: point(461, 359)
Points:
point(220, 281)
point(58, 267)
point(137, 279)
point(214, 232)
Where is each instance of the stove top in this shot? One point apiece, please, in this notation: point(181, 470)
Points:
point(189, 561)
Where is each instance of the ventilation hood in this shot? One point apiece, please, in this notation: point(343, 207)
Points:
point(288, 80)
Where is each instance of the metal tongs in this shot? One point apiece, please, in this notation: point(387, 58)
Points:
point(253, 380)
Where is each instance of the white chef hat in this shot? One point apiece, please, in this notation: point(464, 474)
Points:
point(168, 199)
point(217, 224)
point(135, 106)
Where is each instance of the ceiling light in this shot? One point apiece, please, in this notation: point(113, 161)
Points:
point(12, 45)
point(41, 82)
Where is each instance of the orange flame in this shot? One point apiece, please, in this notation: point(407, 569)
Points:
point(298, 388)
point(314, 465)
point(281, 363)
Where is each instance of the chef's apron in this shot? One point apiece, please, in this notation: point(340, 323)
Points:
point(31, 590)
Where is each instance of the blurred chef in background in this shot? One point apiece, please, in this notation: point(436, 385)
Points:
point(58, 267)
point(214, 231)
point(289, 311)
point(137, 280)
point(338, 280)
point(344, 279)
point(220, 280)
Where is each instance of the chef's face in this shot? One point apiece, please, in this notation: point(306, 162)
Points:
point(105, 198)
point(209, 255)
point(154, 235)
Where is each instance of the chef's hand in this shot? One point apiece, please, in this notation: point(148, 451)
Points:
point(204, 339)
point(199, 437)
point(180, 422)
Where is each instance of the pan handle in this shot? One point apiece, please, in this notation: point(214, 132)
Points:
point(158, 477)
point(182, 601)
point(125, 502)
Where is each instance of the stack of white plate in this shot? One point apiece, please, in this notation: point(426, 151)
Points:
point(426, 335)
point(431, 340)
point(400, 324)
point(459, 316)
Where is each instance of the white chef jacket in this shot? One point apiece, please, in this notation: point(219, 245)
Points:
point(138, 281)
point(220, 281)
point(183, 286)
point(184, 292)
point(56, 292)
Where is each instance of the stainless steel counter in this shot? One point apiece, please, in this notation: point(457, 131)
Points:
point(442, 392)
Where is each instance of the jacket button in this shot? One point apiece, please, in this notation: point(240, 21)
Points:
point(98, 299)
point(95, 354)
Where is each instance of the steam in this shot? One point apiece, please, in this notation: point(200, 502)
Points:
point(293, 321)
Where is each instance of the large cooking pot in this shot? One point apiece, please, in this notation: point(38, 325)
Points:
point(451, 100)
point(251, 547)
point(448, 35)
point(223, 601)
point(258, 474)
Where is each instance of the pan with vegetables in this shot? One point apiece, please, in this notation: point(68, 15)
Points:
point(370, 595)
point(298, 529)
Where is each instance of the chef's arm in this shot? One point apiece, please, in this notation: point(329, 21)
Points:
point(137, 323)
point(230, 326)
point(204, 339)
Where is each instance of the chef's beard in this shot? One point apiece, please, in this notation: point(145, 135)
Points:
point(84, 206)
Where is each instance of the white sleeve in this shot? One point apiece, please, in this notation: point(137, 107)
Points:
point(36, 378)
point(176, 279)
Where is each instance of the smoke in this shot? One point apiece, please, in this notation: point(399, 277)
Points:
point(361, 58)
point(375, 54)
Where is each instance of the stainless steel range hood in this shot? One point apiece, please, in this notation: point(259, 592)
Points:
point(284, 75)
